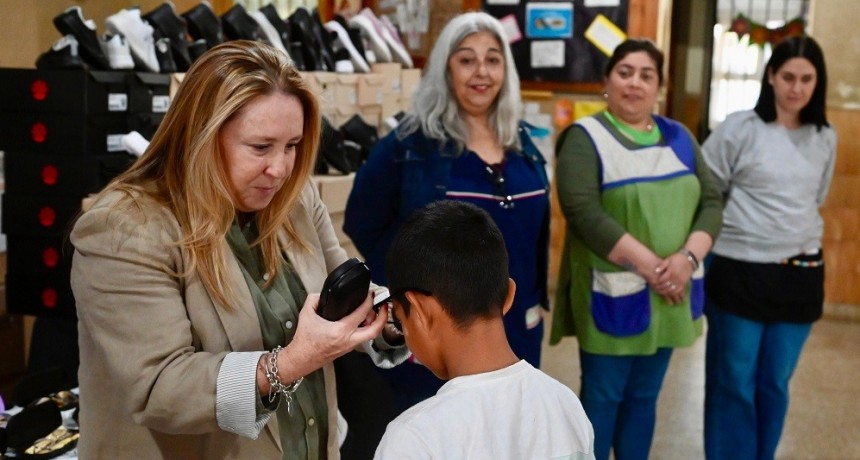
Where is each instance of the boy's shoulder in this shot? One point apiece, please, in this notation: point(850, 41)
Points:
point(454, 421)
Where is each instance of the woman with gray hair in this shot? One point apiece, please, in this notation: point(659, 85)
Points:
point(462, 141)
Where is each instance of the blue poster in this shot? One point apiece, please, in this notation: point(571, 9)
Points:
point(549, 20)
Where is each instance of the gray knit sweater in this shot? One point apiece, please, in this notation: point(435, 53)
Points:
point(773, 180)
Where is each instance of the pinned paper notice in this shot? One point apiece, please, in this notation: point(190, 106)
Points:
point(511, 28)
point(547, 53)
point(605, 35)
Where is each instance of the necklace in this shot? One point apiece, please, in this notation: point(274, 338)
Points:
point(648, 137)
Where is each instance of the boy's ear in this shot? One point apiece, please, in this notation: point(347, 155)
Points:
point(509, 300)
point(423, 308)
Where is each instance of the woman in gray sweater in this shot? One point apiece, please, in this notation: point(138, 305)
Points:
point(765, 286)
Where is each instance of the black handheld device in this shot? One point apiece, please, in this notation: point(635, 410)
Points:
point(344, 289)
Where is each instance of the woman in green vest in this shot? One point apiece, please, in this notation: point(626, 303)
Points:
point(642, 212)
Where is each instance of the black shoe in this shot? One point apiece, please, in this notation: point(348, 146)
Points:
point(168, 24)
point(37, 433)
point(166, 64)
point(342, 154)
point(203, 23)
point(354, 35)
point(271, 13)
point(71, 22)
point(196, 49)
point(239, 25)
point(298, 56)
point(360, 132)
point(301, 29)
point(323, 40)
point(62, 55)
point(32, 423)
point(39, 384)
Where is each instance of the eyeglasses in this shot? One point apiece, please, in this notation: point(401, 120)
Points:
point(494, 175)
point(400, 296)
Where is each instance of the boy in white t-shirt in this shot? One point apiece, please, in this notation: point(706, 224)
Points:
point(447, 270)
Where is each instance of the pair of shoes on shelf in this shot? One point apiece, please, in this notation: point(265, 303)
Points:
point(361, 133)
point(72, 22)
point(140, 36)
point(342, 154)
point(168, 24)
point(204, 24)
point(278, 32)
point(313, 40)
point(382, 36)
point(344, 42)
point(347, 148)
point(62, 55)
point(237, 24)
point(117, 50)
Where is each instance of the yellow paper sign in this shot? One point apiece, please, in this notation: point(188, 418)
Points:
point(605, 35)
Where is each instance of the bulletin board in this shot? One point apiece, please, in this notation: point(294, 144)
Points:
point(561, 45)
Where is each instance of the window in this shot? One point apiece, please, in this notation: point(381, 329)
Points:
point(737, 63)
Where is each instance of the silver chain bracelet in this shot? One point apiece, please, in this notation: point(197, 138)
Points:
point(275, 385)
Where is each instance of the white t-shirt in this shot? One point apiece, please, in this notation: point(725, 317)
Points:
point(513, 413)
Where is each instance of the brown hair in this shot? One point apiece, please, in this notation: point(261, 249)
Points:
point(183, 167)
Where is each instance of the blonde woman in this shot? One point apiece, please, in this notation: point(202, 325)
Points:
point(198, 259)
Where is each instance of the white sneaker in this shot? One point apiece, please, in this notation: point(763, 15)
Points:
point(116, 48)
point(369, 32)
point(357, 59)
point(139, 35)
point(392, 37)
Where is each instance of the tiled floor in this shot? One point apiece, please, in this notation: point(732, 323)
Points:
point(824, 414)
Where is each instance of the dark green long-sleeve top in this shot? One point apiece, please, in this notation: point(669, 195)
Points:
point(593, 230)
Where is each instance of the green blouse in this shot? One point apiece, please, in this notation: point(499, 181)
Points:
point(304, 432)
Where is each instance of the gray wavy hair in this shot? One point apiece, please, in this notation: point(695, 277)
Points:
point(435, 108)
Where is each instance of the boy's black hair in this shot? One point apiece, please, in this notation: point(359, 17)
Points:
point(454, 251)
point(805, 47)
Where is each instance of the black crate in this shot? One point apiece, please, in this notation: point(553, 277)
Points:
point(64, 175)
point(149, 92)
point(40, 295)
point(69, 134)
point(64, 91)
point(38, 256)
point(38, 216)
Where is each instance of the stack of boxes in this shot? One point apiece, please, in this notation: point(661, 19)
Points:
point(62, 140)
point(375, 96)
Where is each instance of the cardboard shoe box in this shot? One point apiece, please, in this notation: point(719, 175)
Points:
point(391, 71)
point(322, 84)
point(346, 90)
point(371, 89)
point(409, 80)
point(334, 191)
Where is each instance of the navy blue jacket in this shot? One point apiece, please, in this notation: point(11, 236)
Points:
point(402, 175)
